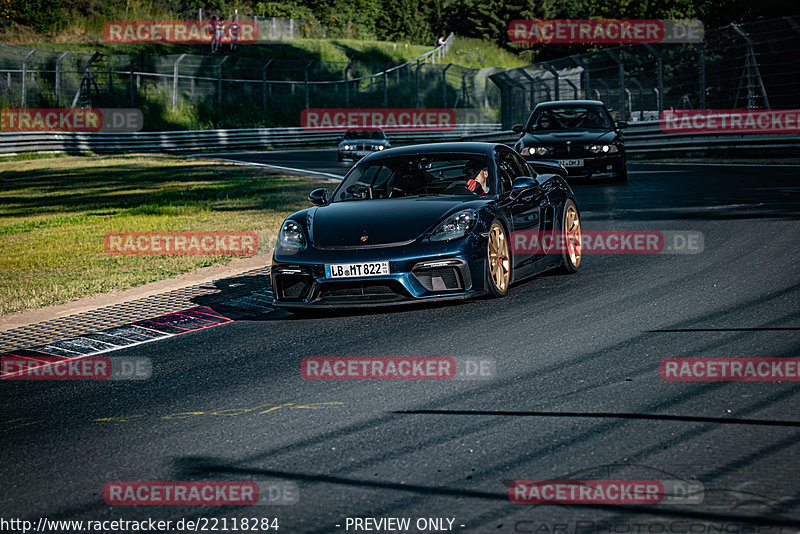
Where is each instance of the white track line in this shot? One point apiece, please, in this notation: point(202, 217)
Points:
point(335, 177)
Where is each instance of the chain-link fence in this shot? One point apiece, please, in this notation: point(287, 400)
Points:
point(229, 91)
point(753, 65)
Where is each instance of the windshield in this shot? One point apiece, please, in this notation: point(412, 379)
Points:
point(364, 135)
point(570, 118)
point(431, 174)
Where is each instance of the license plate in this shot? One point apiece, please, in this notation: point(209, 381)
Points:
point(572, 162)
point(354, 270)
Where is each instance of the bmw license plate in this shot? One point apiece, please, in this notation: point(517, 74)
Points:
point(354, 270)
point(572, 162)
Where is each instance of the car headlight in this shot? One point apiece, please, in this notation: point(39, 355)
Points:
point(291, 236)
point(535, 151)
point(379, 147)
point(602, 149)
point(457, 225)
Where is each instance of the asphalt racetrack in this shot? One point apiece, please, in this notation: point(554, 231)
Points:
point(576, 392)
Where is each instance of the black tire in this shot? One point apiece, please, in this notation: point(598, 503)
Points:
point(492, 287)
point(569, 265)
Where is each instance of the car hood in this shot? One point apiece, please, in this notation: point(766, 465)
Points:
point(579, 136)
point(383, 221)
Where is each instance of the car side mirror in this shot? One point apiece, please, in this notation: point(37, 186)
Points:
point(318, 197)
point(517, 128)
point(621, 125)
point(548, 167)
point(523, 183)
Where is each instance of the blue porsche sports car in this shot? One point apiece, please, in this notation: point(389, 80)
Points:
point(425, 222)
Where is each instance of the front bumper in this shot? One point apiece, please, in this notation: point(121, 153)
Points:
point(596, 167)
point(417, 272)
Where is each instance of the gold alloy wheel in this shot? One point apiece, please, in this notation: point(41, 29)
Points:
point(572, 229)
point(499, 259)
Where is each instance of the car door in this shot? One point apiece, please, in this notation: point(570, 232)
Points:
point(524, 209)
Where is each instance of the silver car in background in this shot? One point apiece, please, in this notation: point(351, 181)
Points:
point(355, 144)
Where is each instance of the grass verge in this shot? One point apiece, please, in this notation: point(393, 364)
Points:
point(54, 213)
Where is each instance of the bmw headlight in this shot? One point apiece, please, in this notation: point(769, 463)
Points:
point(602, 149)
point(535, 151)
point(457, 225)
point(379, 147)
point(291, 236)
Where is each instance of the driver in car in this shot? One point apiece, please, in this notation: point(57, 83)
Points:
point(545, 123)
point(593, 120)
point(477, 175)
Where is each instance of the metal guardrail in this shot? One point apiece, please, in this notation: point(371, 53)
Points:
point(646, 137)
point(643, 137)
point(198, 140)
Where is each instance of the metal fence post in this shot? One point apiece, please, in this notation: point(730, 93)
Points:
point(660, 74)
point(701, 59)
point(638, 84)
point(556, 80)
point(416, 84)
point(347, 85)
point(586, 76)
point(305, 80)
point(25, 76)
point(386, 86)
point(264, 84)
point(620, 82)
point(175, 81)
point(58, 77)
point(219, 81)
point(532, 83)
point(444, 85)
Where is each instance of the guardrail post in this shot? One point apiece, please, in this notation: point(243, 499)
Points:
point(58, 77)
point(444, 85)
point(264, 84)
point(660, 74)
point(219, 81)
point(25, 76)
point(175, 81)
point(347, 85)
point(305, 79)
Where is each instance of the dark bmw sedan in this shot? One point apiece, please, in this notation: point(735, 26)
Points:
point(580, 134)
point(426, 222)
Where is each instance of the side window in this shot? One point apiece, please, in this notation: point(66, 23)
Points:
point(508, 169)
point(522, 165)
